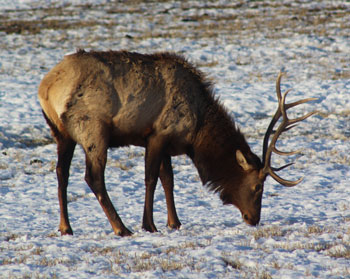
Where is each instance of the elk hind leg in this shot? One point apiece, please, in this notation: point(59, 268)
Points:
point(96, 156)
point(65, 150)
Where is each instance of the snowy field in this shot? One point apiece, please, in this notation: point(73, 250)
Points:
point(304, 231)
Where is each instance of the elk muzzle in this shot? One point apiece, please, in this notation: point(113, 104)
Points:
point(251, 219)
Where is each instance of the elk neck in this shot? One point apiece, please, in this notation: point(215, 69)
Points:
point(215, 147)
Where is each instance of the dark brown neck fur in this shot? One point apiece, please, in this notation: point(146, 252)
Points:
point(216, 143)
point(215, 151)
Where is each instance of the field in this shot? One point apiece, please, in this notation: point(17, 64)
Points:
point(241, 46)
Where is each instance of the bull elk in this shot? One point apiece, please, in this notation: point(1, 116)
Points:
point(163, 103)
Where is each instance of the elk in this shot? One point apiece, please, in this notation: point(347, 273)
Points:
point(163, 103)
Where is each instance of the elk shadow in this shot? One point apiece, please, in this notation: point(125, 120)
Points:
point(29, 137)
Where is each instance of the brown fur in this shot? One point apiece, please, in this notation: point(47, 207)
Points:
point(159, 101)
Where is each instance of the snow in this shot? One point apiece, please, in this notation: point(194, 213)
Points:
point(304, 230)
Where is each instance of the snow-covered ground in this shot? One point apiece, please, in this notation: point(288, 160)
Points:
point(304, 231)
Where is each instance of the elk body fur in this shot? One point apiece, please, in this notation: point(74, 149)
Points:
point(160, 102)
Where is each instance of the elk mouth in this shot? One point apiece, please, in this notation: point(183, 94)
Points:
point(252, 221)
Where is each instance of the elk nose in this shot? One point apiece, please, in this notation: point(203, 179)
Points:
point(250, 220)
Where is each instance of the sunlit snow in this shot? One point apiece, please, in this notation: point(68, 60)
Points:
point(304, 230)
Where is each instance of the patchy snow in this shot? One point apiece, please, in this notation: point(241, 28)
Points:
point(304, 231)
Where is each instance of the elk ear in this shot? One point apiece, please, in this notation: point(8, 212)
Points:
point(241, 160)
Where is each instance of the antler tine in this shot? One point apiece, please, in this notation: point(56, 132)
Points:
point(285, 107)
point(270, 131)
point(267, 157)
point(278, 86)
point(301, 118)
point(286, 153)
point(284, 182)
point(283, 167)
point(285, 125)
point(289, 127)
point(288, 106)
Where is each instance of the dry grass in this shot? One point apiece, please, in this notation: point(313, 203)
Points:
point(126, 162)
point(339, 253)
point(172, 258)
point(330, 248)
point(269, 232)
point(246, 17)
point(244, 271)
point(235, 22)
point(165, 258)
point(234, 263)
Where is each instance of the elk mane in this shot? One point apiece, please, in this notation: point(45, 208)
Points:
point(216, 146)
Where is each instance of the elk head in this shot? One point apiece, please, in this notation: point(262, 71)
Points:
point(252, 184)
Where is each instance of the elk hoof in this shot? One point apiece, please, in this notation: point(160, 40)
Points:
point(67, 231)
point(124, 232)
point(149, 228)
point(174, 226)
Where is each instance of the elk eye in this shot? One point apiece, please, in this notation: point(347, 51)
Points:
point(258, 188)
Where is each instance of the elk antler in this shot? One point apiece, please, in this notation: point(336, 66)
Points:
point(285, 125)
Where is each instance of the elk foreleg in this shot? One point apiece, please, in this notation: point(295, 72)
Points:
point(152, 165)
point(167, 178)
point(65, 150)
point(96, 157)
